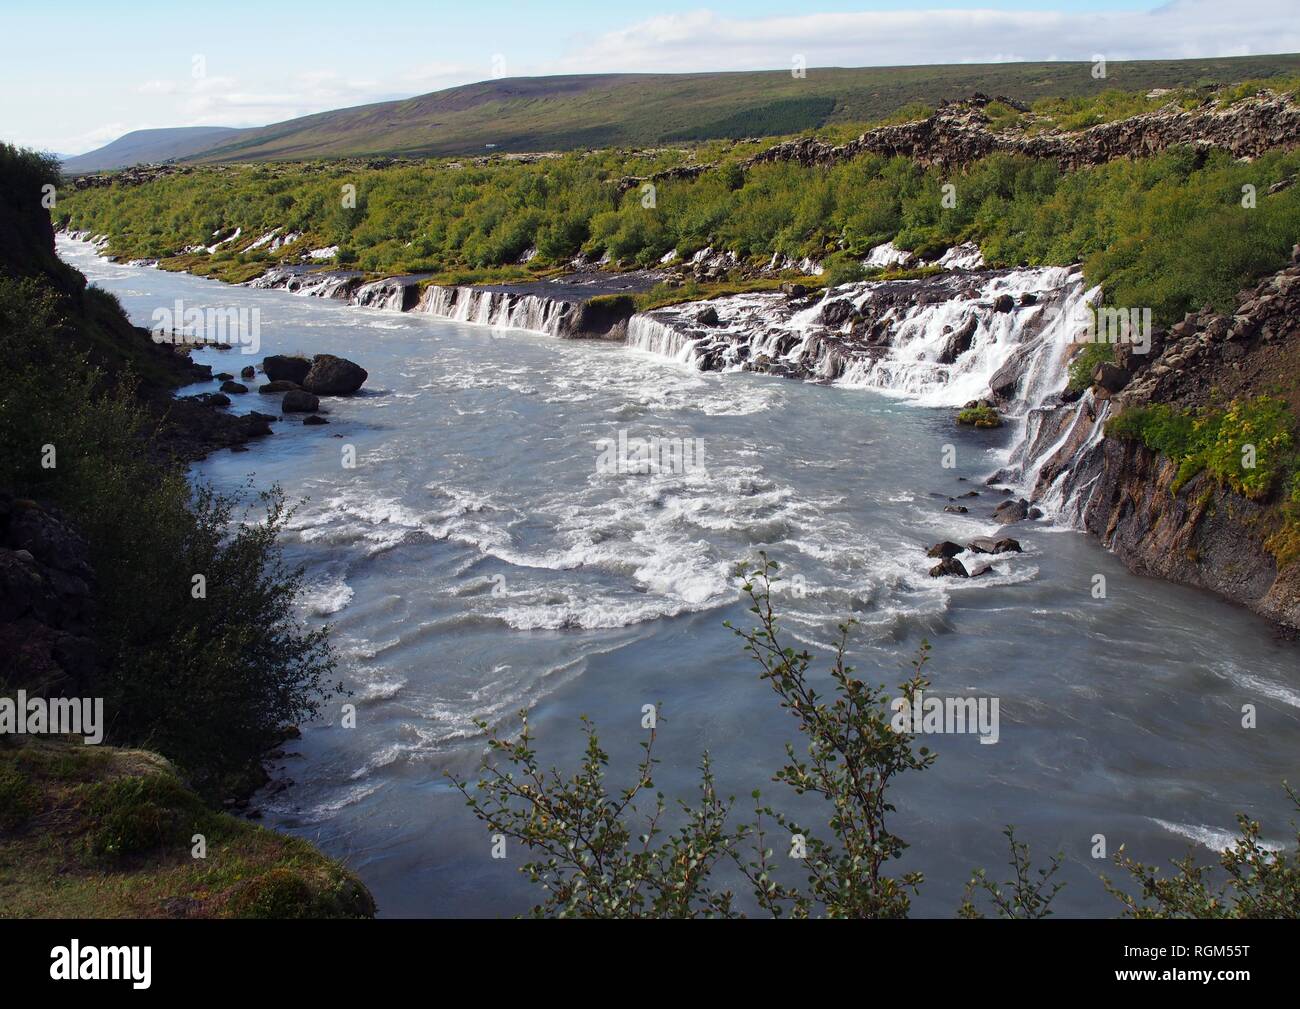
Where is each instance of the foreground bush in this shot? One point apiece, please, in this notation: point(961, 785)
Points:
point(208, 678)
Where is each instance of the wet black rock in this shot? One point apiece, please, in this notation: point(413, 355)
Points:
point(949, 567)
point(278, 386)
point(989, 545)
point(314, 419)
point(334, 376)
point(944, 550)
point(1011, 511)
point(233, 387)
point(281, 368)
point(298, 401)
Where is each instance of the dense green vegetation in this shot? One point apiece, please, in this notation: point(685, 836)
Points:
point(210, 677)
point(1250, 446)
point(207, 681)
point(1140, 227)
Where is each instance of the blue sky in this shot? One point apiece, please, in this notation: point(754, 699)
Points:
point(81, 73)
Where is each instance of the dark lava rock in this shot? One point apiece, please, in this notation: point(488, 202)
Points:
point(297, 401)
point(944, 550)
point(959, 341)
point(279, 385)
point(248, 371)
point(1011, 511)
point(836, 313)
point(314, 419)
point(1110, 377)
point(334, 376)
point(989, 545)
point(949, 567)
point(223, 376)
point(235, 387)
point(281, 368)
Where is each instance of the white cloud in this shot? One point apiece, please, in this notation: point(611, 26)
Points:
point(703, 40)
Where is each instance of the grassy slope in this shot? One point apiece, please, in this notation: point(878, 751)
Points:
point(560, 113)
point(99, 832)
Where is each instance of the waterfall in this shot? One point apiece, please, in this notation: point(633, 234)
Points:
point(944, 341)
point(500, 309)
point(645, 333)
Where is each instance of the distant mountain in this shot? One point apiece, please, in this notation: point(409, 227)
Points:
point(150, 146)
point(611, 110)
point(602, 110)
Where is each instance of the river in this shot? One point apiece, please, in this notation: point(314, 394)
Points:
point(476, 562)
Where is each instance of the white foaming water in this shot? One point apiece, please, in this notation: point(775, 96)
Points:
point(474, 563)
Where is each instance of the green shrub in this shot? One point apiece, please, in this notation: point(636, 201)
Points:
point(19, 800)
point(980, 416)
point(1085, 363)
point(134, 816)
point(1249, 446)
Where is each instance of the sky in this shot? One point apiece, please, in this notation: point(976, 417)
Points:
point(79, 74)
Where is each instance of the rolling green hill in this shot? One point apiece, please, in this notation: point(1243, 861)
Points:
point(608, 110)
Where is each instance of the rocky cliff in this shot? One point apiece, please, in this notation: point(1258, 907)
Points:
point(960, 133)
point(1200, 533)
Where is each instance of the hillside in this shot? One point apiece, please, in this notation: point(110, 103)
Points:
point(608, 110)
point(149, 147)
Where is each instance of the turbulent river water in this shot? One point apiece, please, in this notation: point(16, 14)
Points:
point(475, 563)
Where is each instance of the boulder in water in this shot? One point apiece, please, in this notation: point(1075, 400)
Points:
point(279, 385)
point(944, 550)
point(1011, 511)
point(298, 401)
point(334, 376)
point(1004, 303)
point(950, 567)
point(234, 387)
point(314, 418)
point(282, 368)
point(989, 545)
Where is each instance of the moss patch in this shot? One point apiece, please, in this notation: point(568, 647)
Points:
point(102, 832)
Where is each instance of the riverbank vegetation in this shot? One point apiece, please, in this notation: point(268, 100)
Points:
point(1140, 227)
point(196, 645)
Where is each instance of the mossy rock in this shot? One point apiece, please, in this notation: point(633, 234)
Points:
point(980, 416)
